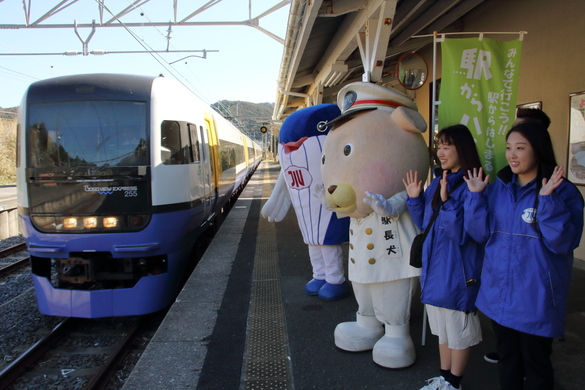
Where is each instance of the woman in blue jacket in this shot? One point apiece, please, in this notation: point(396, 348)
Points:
point(451, 259)
point(531, 220)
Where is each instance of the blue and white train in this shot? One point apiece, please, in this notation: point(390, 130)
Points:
point(118, 175)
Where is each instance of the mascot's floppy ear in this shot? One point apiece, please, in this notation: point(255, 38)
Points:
point(409, 120)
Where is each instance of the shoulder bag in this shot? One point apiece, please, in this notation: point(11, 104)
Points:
point(417, 244)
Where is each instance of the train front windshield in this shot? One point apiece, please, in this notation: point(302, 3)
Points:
point(88, 166)
point(87, 134)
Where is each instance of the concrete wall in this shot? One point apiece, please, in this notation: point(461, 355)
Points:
point(9, 223)
point(553, 59)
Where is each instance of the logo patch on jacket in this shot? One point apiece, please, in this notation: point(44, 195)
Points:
point(528, 215)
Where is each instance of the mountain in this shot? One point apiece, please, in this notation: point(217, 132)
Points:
point(8, 113)
point(246, 116)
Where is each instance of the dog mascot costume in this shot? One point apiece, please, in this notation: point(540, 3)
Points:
point(370, 148)
point(301, 141)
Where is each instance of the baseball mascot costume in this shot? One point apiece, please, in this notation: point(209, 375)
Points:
point(301, 142)
point(372, 145)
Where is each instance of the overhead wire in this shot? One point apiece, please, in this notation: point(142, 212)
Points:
point(180, 77)
point(143, 43)
point(151, 51)
point(202, 96)
point(18, 73)
point(14, 74)
point(143, 14)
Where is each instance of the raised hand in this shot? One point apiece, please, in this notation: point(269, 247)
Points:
point(548, 186)
point(319, 193)
point(474, 181)
point(412, 184)
point(444, 187)
point(379, 204)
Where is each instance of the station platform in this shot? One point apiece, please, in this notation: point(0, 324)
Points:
point(243, 321)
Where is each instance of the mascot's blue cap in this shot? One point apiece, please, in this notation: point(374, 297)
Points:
point(305, 122)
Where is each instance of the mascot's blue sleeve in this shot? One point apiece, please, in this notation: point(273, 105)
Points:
point(337, 231)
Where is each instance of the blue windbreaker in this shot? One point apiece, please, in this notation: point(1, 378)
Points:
point(526, 272)
point(452, 260)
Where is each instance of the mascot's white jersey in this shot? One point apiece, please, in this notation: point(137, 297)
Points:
point(302, 169)
point(379, 248)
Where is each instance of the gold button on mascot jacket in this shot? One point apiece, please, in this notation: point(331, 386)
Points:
point(372, 144)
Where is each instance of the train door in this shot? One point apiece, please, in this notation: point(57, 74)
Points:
point(207, 171)
point(213, 146)
point(246, 151)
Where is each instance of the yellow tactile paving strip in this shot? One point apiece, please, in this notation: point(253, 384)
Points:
point(266, 361)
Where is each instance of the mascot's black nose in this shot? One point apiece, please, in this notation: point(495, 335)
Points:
point(331, 189)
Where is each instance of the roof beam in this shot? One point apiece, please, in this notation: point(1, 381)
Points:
point(344, 42)
point(124, 11)
point(300, 22)
point(374, 41)
point(453, 15)
point(428, 17)
point(406, 10)
point(51, 12)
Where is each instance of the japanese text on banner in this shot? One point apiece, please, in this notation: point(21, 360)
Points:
point(478, 89)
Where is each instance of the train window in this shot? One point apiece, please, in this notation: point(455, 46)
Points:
point(170, 143)
point(186, 155)
point(194, 144)
point(87, 134)
point(231, 153)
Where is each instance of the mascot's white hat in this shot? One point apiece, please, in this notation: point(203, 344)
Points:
point(361, 96)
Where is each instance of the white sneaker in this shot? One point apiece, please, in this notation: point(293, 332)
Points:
point(449, 386)
point(435, 383)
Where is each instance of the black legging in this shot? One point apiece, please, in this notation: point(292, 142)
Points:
point(524, 361)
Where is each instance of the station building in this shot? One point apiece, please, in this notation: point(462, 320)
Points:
point(329, 44)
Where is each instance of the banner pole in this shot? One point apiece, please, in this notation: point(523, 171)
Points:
point(520, 33)
point(434, 90)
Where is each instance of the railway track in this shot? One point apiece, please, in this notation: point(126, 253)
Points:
point(90, 364)
point(90, 351)
point(54, 352)
point(15, 265)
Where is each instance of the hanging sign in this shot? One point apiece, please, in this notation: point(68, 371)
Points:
point(478, 89)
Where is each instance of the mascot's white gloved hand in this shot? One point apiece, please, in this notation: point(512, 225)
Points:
point(379, 204)
point(319, 193)
point(278, 203)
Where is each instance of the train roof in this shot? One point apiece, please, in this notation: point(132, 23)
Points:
point(92, 86)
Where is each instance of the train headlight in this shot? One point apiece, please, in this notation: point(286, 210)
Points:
point(110, 222)
point(70, 223)
point(89, 222)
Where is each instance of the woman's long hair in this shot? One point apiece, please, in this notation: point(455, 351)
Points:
point(541, 143)
point(539, 138)
point(462, 139)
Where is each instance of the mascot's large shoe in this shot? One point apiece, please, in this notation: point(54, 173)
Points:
point(360, 335)
point(313, 286)
point(333, 292)
point(395, 349)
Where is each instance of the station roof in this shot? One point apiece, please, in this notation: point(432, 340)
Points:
point(329, 41)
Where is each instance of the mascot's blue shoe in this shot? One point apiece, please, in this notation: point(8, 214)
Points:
point(313, 287)
point(331, 292)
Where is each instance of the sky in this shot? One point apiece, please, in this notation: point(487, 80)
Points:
point(246, 66)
